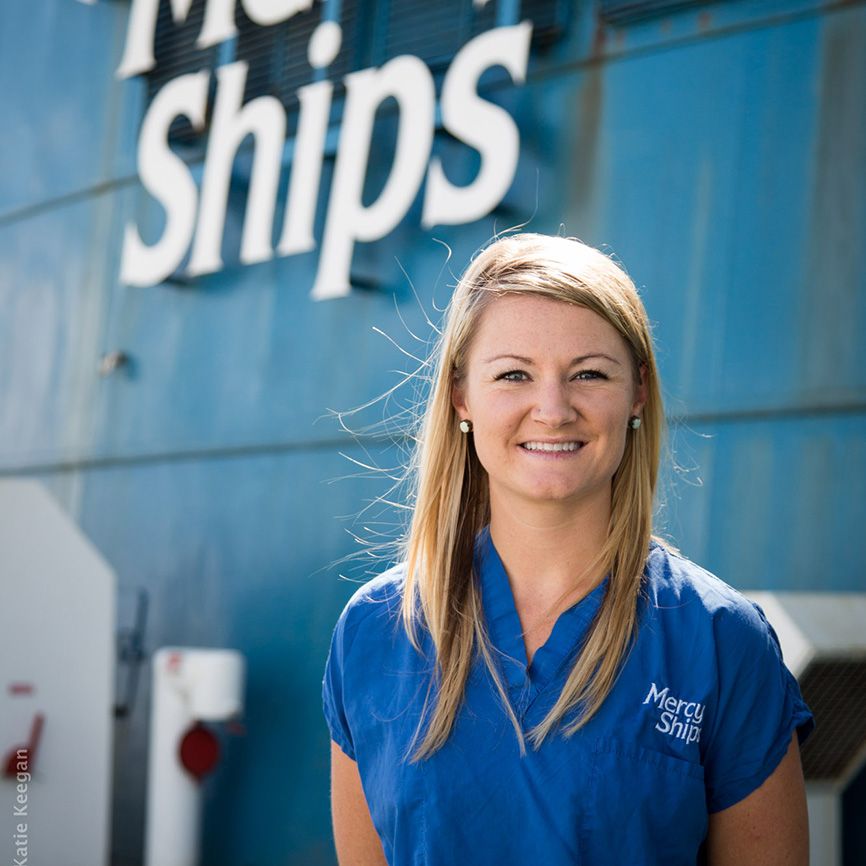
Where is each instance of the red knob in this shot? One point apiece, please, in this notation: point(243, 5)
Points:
point(199, 751)
point(21, 758)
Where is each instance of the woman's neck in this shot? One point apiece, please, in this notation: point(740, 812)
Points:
point(546, 550)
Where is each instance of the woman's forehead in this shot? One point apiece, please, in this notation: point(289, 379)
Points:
point(542, 323)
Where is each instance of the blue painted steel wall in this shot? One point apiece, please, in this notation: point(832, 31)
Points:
point(720, 154)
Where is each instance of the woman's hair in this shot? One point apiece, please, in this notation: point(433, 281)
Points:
point(450, 497)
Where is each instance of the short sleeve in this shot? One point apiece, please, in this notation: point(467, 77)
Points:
point(333, 703)
point(759, 706)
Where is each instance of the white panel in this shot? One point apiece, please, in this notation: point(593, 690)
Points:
point(57, 637)
point(825, 825)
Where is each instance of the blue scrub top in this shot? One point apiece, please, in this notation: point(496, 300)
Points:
point(701, 715)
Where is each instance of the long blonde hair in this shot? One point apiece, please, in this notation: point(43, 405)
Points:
point(450, 499)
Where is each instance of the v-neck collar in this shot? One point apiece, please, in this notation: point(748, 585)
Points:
point(505, 630)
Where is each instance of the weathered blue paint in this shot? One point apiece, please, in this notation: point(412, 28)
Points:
point(718, 152)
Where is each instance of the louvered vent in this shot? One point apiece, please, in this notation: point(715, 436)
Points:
point(823, 639)
point(835, 690)
point(276, 56)
point(373, 32)
point(432, 31)
point(175, 54)
point(549, 20)
point(622, 12)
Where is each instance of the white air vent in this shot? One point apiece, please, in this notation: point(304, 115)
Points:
point(823, 638)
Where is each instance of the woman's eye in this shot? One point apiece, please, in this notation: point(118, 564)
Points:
point(590, 374)
point(508, 376)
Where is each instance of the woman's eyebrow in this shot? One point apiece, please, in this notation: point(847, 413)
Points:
point(578, 360)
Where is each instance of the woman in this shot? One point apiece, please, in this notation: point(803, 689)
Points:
point(541, 680)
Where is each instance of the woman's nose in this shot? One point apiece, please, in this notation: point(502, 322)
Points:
point(554, 405)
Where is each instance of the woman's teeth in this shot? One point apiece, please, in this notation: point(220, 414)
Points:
point(551, 446)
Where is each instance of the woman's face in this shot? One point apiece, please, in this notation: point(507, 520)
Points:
point(541, 371)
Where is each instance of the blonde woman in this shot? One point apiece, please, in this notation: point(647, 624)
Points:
point(541, 680)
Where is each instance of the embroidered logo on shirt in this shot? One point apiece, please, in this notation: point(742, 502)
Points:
point(677, 717)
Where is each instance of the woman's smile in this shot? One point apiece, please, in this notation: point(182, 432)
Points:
point(551, 449)
point(552, 444)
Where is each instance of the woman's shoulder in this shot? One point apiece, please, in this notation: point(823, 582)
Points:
point(374, 602)
point(675, 583)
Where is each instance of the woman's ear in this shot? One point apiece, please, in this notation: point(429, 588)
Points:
point(458, 397)
point(641, 395)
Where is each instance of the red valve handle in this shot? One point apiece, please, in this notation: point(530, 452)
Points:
point(16, 762)
point(198, 751)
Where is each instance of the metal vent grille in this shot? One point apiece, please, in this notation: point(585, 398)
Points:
point(374, 31)
point(835, 691)
point(354, 22)
point(277, 55)
point(432, 31)
point(549, 20)
point(175, 54)
point(631, 11)
point(484, 18)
